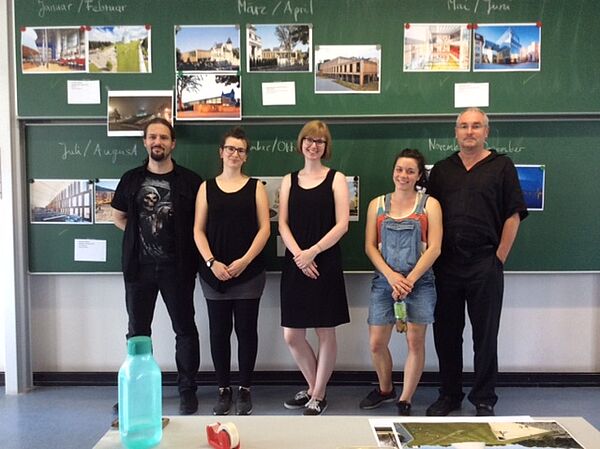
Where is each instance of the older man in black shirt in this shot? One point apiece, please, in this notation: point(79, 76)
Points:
point(482, 206)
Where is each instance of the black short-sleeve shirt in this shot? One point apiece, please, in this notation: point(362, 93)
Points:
point(475, 203)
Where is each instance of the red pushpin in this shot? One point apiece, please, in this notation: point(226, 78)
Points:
point(407, 25)
point(223, 436)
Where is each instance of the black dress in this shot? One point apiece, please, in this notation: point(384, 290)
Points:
point(306, 302)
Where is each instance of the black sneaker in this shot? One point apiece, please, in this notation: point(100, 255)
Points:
point(224, 401)
point(315, 407)
point(403, 408)
point(188, 402)
point(443, 406)
point(375, 398)
point(243, 401)
point(298, 401)
point(485, 410)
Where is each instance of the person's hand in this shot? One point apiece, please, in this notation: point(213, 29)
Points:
point(311, 271)
point(236, 267)
point(305, 257)
point(220, 271)
point(401, 286)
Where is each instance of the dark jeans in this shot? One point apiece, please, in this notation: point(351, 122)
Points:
point(480, 285)
point(221, 315)
point(140, 298)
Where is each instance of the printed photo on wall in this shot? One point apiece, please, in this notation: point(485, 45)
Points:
point(354, 188)
point(207, 48)
point(54, 50)
point(507, 47)
point(104, 190)
point(347, 69)
point(120, 49)
point(533, 183)
point(437, 47)
point(279, 48)
point(66, 201)
point(130, 110)
point(208, 96)
point(273, 184)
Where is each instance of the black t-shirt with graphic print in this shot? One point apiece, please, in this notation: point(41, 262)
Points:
point(156, 222)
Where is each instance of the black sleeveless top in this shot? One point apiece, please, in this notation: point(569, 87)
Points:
point(231, 227)
point(306, 302)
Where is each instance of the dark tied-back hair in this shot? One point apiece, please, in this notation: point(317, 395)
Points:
point(236, 132)
point(417, 156)
point(162, 121)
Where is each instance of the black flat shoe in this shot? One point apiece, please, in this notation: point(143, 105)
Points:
point(403, 408)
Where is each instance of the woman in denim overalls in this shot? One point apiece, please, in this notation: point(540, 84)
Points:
point(402, 239)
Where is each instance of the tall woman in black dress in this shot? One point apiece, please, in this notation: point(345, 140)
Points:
point(313, 217)
point(231, 229)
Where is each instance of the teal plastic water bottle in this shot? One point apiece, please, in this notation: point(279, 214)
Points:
point(140, 396)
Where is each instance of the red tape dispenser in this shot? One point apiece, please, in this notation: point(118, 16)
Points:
point(223, 436)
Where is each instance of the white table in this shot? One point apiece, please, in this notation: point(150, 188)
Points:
point(301, 432)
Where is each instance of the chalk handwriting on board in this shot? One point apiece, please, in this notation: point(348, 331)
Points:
point(443, 147)
point(291, 8)
point(94, 150)
point(47, 7)
point(485, 6)
point(276, 146)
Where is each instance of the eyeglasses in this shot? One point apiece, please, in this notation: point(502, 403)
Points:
point(474, 126)
point(308, 141)
point(229, 149)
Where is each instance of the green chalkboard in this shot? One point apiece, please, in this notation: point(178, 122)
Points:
point(561, 237)
point(567, 82)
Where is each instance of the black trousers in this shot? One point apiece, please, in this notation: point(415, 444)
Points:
point(140, 298)
point(221, 317)
point(479, 285)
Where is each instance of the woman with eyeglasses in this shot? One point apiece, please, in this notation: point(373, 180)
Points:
point(313, 217)
point(231, 229)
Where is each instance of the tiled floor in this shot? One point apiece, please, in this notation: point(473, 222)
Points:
point(77, 417)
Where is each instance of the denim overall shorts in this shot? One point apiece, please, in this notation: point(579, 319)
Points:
point(401, 249)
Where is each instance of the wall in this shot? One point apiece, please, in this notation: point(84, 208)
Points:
point(551, 322)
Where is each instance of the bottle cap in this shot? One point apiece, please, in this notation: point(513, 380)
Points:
point(139, 345)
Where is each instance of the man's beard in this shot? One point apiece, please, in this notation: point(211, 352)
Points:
point(157, 156)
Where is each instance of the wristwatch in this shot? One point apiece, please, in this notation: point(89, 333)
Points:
point(210, 262)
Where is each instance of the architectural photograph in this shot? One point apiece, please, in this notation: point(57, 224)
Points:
point(441, 47)
point(208, 96)
point(120, 49)
point(61, 201)
point(533, 181)
point(344, 69)
point(103, 195)
point(207, 48)
point(53, 50)
point(279, 48)
point(507, 47)
point(128, 111)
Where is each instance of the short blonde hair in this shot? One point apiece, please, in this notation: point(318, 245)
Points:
point(315, 128)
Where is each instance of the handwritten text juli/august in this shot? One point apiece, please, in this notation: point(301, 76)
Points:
point(282, 8)
point(485, 6)
point(94, 150)
point(47, 7)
